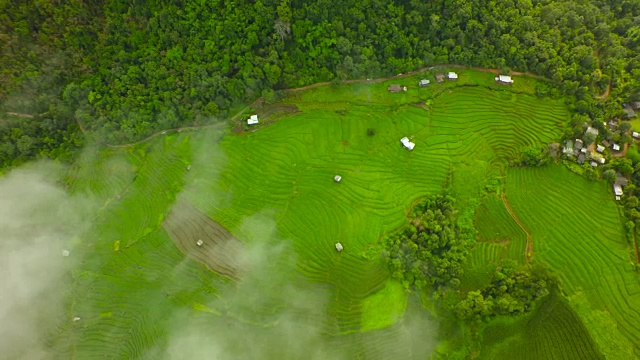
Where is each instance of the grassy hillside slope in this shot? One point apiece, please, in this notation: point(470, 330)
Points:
point(578, 232)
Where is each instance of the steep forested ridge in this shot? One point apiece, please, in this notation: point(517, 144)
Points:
point(125, 69)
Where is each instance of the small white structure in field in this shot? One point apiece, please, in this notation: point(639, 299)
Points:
point(636, 135)
point(252, 120)
point(188, 167)
point(337, 178)
point(199, 242)
point(65, 252)
point(339, 247)
point(407, 144)
point(424, 82)
point(76, 319)
point(504, 79)
point(616, 147)
point(452, 76)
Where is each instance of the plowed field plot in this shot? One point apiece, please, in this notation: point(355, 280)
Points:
point(204, 240)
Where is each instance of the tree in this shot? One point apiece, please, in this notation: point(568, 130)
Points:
point(589, 138)
point(625, 126)
point(609, 175)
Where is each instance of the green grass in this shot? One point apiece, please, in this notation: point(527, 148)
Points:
point(578, 232)
point(552, 331)
point(385, 307)
point(277, 183)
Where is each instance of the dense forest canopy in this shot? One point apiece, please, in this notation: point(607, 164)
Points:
point(126, 69)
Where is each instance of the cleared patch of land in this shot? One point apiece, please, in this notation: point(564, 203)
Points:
point(204, 240)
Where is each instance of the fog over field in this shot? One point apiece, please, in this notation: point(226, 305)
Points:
point(266, 313)
point(38, 221)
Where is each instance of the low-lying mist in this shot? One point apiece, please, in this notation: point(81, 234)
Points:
point(38, 221)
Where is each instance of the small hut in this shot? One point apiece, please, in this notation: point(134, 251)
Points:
point(199, 242)
point(504, 79)
point(339, 247)
point(337, 178)
point(252, 120)
point(394, 88)
point(65, 252)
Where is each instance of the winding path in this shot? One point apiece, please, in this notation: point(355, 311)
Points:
point(528, 252)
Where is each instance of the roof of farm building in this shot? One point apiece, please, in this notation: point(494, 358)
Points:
point(592, 131)
point(408, 144)
point(629, 112)
point(504, 79)
point(452, 75)
point(394, 88)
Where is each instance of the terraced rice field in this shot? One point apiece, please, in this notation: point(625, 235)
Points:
point(553, 331)
point(273, 190)
point(578, 232)
point(499, 236)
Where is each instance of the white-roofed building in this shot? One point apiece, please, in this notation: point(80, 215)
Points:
point(424, 82)
point(617, 190)
point(616, 147)
point(504, 79)
point(339, 247)
point(451, 75)
point(337, 178)
point(635, 134)
point(252, 120)
point(600, 148)
point(407, 144)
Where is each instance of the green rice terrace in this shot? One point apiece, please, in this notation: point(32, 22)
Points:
point(219, 242)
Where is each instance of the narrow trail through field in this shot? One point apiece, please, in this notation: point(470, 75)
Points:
point(26, 116)
point(260, 101)
point(528, 252)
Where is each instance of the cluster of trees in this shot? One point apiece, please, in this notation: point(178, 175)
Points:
point(535, 156)
point(126, 69)
point(511, 292)
point(431, 248)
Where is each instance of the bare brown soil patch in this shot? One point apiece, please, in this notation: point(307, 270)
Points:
point(277, 110)
point(220, 251)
